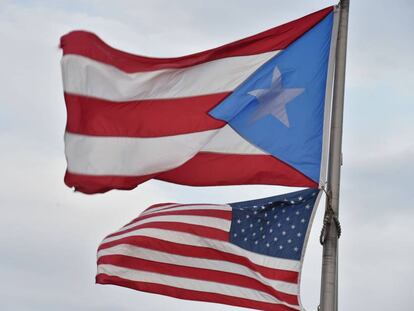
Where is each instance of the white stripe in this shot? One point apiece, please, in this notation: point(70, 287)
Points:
point(217, 265)
point(212, 222)
point(189, 284)
point(87, 77)
point(126, 156)
point(228, 140)
point(221, 207)
point(193, 240)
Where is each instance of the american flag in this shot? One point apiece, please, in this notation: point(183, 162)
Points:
point(246, 254)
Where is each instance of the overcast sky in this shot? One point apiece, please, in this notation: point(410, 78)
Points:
point(49, 234)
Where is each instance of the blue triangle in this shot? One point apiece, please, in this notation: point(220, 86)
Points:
point(303, 65)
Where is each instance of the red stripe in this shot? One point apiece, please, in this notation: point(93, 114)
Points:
point(148, 210)
point(145, 118)
point(205, 169)
point(205, 253)
point(196, 273)
point(199, 230)
point(215, 169)
point(190, 294)
point(152, 207)
point(89, 45)
point(159, 205)
point(191, 212)
point(181, 205)
point(91, 184)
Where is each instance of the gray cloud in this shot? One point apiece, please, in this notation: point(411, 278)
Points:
point(50, 234)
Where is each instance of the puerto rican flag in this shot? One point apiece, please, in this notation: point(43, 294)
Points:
point(255, 111)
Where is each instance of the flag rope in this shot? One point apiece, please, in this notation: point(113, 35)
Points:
point(329, 216)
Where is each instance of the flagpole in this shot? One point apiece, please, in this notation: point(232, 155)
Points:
point(329, 280)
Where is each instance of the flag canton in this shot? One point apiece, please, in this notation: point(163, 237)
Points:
point(275, 226)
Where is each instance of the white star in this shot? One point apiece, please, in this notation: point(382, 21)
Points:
point(273, 100)
point(307, 206)
point(238, 221)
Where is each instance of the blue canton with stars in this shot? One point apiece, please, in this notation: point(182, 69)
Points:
point(275, 226)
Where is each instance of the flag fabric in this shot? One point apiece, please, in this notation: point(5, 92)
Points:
point(246, 254)
point(249, 112)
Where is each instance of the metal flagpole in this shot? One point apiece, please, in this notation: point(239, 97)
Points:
point(329, 280)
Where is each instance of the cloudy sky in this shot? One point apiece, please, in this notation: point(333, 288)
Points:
point(49, 234)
